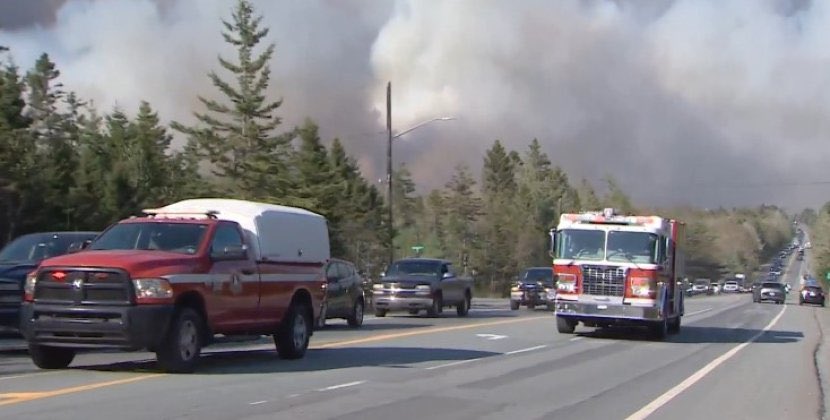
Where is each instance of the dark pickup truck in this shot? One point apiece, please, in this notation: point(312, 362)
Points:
point(23, 255)
point(414, 284)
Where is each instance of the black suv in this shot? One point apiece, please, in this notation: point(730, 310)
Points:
point(344, 293)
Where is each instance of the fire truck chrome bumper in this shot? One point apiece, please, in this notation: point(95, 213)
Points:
point(125, 327)
point(398, 303)
point(591, 310)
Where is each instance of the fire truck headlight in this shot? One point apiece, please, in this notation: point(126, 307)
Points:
point(566, 283)
point(643, 287)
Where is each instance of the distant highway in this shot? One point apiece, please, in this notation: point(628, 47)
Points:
point(733, 359)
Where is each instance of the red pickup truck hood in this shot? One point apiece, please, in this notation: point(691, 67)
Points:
point(135, 262)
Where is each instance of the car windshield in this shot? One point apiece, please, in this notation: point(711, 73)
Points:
point(182, 238)
point(773, 285)
point(37, 246)
point(581, 244)
point(415, 268)
point(638, 247)
point(543, 275)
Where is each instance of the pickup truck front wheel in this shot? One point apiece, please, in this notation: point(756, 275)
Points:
point(437, 306)
point(181, 349)
point(46, 357)
point(293, 336)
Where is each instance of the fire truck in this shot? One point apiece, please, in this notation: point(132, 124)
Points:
point(618, 270)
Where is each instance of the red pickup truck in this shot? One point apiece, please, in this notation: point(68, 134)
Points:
point(171, 280)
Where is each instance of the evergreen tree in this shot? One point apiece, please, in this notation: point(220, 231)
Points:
point(152, 170)
point(496, 260)
point(238, 135)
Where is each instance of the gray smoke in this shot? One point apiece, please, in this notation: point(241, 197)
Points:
point(699, 102)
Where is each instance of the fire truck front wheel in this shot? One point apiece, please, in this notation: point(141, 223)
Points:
point(565, 325)
point(659, 329)
point(674, 325)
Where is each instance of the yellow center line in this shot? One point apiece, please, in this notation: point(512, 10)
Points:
point(391, 336)
point(19, 397)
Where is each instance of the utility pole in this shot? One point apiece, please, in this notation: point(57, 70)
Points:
point(391, 226)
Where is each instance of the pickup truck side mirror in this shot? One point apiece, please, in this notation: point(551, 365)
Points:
point(230, 252)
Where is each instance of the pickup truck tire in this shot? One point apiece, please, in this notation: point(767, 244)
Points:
point(565, 326)
point(356, 319)
point(437, 306)
point(46, 357)
point(180, 350)
point(380, 313)
point(463, 308)
point(514, 305)
point(294, 334)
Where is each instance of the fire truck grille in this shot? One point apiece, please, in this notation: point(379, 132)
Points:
point(603, 281)
point(84, 287)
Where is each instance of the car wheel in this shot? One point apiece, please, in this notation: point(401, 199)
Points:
point(356, 319)
point(46, 357)
point(464, 307)
point(437, 306)
point(514, 305)
point(294, 334)
point(565, 326)
point(181, 349)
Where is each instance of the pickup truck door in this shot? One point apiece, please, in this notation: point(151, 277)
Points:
point(234, 288)
point(451, 285)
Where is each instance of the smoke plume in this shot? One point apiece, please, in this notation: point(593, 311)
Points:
point(699, 102)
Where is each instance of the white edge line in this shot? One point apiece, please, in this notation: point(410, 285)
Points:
point(346, 385)
point(662, 400)
point(698, 312)
point(527, 349)
point(577, 338)
point(258, 402)
point(460, 362)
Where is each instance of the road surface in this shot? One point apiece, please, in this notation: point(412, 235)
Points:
point(733, 359)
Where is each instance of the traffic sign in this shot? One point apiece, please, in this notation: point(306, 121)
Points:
point(827, 276)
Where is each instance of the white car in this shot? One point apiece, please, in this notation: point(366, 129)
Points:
point(731, 287)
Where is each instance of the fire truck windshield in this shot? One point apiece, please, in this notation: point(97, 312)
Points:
point(636, 247)
point(581, 244)
point(618, 246)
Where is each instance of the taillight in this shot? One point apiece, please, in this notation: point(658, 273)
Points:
point(642, 285)
point(29, 287)
point(566, 283)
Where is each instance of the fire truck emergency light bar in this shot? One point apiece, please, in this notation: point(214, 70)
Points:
point(609, 216)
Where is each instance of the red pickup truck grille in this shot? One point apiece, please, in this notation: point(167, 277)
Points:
point(83, 287)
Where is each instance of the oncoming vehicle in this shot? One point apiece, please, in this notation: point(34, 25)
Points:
point(533, 287)
point(731, 286)
point(174, 279)
point(612, 269)
point(415, 284)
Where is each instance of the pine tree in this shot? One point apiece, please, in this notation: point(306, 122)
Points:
point(463, 208)
point(238, 135)
point(152, 170)
point(498, 223)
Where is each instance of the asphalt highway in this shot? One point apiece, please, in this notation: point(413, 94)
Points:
point(733, 359)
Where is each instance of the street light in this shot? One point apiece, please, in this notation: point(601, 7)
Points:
point(390, 227)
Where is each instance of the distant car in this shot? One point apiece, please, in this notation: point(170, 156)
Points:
point(772, 291)
point(23, 255)
point(812, 295)
point(345, 297)
point(731, 287)
point(701, 286)
point(534, 287)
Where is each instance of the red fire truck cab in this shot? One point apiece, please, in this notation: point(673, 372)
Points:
point(612, 269)
point(171, 280)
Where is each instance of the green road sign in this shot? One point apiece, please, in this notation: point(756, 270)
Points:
point(417, 248)
point(827, 276)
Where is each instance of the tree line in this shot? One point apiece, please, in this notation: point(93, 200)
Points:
point(65, 165)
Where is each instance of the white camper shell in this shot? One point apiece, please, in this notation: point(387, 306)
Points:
point(276, 233)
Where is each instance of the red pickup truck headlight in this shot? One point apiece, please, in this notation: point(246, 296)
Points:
point(152, 288)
